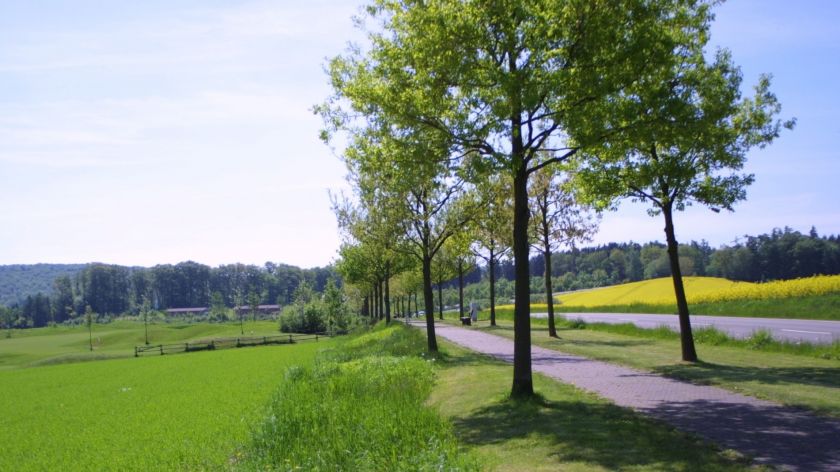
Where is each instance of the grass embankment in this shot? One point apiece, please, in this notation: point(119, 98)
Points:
point(179, 412)
point(360, 408)
point(61, 344)
point(808, 298)
point(754, 366)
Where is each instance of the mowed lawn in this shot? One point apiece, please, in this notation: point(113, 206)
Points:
point(177, 412)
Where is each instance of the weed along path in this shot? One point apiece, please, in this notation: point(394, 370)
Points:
point(770, 433)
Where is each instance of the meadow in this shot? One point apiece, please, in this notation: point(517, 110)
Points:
point(372, 401)
point(63, 344)
point(807, 298)
point(179, 412)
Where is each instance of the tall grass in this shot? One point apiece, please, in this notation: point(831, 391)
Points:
point(360, 408)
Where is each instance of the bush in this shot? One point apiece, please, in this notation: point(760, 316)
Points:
point(303, 318)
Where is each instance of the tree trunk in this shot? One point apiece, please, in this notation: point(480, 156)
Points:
point(491, 263)
point(428, 298)
point(523, 385)
point(549, 295)
point(376, 301)
point(408, 311)
point(689, 354)
point(460, 288)
point(381, 299)
point(387, 296)
point(440, 299)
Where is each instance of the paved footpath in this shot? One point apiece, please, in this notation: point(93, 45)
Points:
point(770, 433)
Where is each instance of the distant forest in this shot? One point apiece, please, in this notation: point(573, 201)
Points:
point(43, 293)
point(20, 280)
point(782, 254)
point(113, 289)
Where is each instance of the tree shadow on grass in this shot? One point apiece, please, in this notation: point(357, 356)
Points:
point(600, 433)
point(707, 372)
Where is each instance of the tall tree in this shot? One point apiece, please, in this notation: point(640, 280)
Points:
point(557, 218)
point(696, 135)
point(491, 229)
point(502, 81)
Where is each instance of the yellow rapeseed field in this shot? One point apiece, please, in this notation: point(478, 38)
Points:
point(701, 290)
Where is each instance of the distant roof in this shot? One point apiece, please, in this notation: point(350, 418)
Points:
point(186, 310)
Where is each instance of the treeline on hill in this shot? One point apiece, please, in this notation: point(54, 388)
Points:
point(780, 255)
point(19, 280)
point(114, 290)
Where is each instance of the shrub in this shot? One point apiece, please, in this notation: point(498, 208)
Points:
point(303, 318)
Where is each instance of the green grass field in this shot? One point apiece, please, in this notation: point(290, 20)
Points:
point(54, 345)
point(363, 401)
point(179, 412)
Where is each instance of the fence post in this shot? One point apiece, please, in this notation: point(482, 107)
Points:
point(186, 347)
point(237, 342)
point(265, 340)
point(290, 339)
point(135, 352)
point(161, 349)
point(316, 337)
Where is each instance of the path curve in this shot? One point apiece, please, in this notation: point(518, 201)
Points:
point(770, 433)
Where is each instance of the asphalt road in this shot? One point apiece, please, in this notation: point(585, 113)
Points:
point(813, 331)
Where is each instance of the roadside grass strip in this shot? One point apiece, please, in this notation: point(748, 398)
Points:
point(760, 340)
point(361, 407)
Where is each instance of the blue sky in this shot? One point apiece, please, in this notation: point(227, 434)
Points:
point(160, 131)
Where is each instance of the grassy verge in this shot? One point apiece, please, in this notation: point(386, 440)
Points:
point(360, 408)
point(184, 412)
point(565, 429)
point(818, 307)
point(791, 379)
point(761, 340)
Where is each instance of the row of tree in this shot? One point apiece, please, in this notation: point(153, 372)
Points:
point(457, 114)
point(114, 290)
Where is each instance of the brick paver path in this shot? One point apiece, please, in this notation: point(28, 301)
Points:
point(770, 433)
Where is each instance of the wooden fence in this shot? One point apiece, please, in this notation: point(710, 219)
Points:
point(224, 343)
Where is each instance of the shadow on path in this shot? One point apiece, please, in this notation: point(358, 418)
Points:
point(776, 435)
